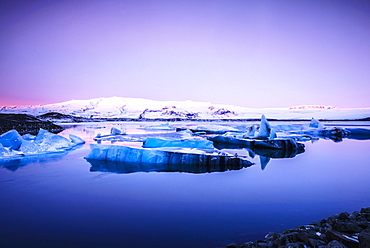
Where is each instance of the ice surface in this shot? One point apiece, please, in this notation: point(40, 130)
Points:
point(28, 136)
point(52, 142)
point(6, 152)
point(11, 139)
point(191, 143)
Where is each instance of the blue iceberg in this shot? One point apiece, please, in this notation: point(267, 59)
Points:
point(13, 146)
point(167, 156)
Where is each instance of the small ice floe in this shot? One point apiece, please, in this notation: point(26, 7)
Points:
point(213, 129)
point(159, 127)
point(115, 135)
point(115, 131)
point(190, 143)
point(13, 145)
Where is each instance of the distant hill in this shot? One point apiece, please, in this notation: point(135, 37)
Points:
point(24, 123)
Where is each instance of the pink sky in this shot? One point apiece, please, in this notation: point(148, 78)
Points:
point(246, 53)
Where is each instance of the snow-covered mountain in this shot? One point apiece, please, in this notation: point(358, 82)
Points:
point(137, 108)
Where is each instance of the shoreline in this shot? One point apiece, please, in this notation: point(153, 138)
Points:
point(342, 230)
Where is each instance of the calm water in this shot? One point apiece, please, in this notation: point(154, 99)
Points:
point(56, 201)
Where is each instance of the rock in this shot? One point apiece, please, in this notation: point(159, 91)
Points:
point(315, 242)
point(26, 124)
point(337, 231)
point(232, 245)
point(287, 238)
point(342, 238)
point(335, 244)
point(364, 238)
point(272, 236)
point(363, 223)
point(354, 215)
point(291, 245)
point(365, 210)
point(347, 227)
point(343, 216)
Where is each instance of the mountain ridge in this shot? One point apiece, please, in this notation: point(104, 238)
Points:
point(140, 108)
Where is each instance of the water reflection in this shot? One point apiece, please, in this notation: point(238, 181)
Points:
point(15, 163)
point(125, 168)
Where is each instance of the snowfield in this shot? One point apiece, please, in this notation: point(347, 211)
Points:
point(137, 108)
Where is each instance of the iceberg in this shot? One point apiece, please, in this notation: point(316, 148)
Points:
point(13, 145)
point(190, 143)
point(176, 156)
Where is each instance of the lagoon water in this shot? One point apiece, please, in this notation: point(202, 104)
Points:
point(59, 201)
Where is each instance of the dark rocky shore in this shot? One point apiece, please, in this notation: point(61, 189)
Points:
point(26, 124)
point(343, 230)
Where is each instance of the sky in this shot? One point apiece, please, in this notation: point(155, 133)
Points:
point(250, 53)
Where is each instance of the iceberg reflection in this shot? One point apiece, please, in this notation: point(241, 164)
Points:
point(131, 167)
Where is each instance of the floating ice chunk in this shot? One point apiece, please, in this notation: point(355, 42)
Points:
point(164, 126)
point(11, 139)
point(191, 143)
point(115, 131)
point(76, 140)
point(316, 124)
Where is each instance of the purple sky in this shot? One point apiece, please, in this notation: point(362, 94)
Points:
point(247, 53)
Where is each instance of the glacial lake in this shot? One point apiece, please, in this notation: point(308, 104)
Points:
point(59, 200)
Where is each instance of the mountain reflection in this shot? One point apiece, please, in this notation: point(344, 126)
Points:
point(125, 168)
